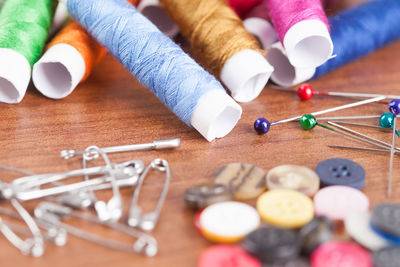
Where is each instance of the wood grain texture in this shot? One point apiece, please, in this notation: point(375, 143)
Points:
point(112, 108)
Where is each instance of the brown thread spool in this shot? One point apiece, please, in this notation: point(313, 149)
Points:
point(217, 37)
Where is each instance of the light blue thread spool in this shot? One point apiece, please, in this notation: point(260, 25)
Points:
point(194, 95)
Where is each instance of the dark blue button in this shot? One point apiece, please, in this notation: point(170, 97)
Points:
point(387, 257)
point(338, 171)
point(386, 218)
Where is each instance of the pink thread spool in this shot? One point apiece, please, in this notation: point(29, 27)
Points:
point(303, 30)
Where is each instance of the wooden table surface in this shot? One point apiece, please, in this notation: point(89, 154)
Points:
point(112, 108)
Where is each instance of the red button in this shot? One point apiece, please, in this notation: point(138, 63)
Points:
point(343, 254)
point(227, 255)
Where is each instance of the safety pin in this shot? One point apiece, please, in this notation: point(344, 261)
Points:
point(31, 246)
point(148, 221)
point(128, 168)
point(57, 236)
point(52, 213)
point(91, 154)
point(127, 174)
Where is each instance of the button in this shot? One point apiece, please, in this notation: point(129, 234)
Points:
point(338, 171)
point(285, 208)
point(387, 257)
point(273, 245)
point(228, 222)
point(315, 233)
point(197, 220)
point(294, 177)
point(358, 226)
point(245, 181)
point(336, 202)
point(393, 240)
point(227, 256)
point(203, 195)
point(386, 217)
point(335, 254)
point(300, 262)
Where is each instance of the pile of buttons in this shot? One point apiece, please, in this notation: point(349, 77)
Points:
point(294, 221)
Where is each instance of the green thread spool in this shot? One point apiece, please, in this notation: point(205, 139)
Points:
point(24, 26)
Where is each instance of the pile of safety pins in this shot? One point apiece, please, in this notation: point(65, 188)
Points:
point(65, 199)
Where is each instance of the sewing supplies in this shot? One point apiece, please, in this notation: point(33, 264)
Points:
point(245, 181)
point(273, 245)
point(147, 221)
point(385, 217)
point(388, 256)
point(92, 154)
point(59, 19)
point(154, 11)
point(243, 7)
point(52, 213)
point(335, 253)
point(303, 29)
point(220, 255)
point(394, 108)
point(306, 92)
point(69, 60)
point(358, 227)
point(262, 125)
point(24, 25)
point(190, 92)
point(262, 30)
point(228, 222)
point(203, 195)
point(339, 171)
point(293, 177)
point(285, 208)
point(221, 43)
point(337, 202)
point(315, 233)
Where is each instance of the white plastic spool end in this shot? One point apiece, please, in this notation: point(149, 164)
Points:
point(262, 30)
point(59, 71)
point(285, 74)
point(308, 44)
point(153, 10)
point(215, 115)
point(15, 74)
point(245, 74)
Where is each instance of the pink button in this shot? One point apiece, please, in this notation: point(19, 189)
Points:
point(343, 254)
point(227, 255)
point(336, 202)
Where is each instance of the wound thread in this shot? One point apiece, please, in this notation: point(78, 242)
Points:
point(215, 32)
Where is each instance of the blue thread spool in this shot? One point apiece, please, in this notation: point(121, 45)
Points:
point(194, 95)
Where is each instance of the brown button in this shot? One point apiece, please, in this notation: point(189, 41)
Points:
point(293, 177)
point(245, 181)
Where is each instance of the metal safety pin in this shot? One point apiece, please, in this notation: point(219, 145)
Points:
point(148, 221)
point(52, 213)
point(127, 173)
point(91, 154)
point(56, 235)
point(31, 246)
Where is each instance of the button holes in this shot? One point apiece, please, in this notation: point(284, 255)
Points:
point(343, 167)
point(333, 169)
point(336, 174)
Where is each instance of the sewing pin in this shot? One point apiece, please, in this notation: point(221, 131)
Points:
point(92, 153)
point(306, 92)
point(262, 125)
point(394, 108)
point(363, 148)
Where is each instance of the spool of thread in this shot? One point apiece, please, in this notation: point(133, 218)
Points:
point(153, 10)
point(303, 29)
point(242, 7)
point(178, 81)
point(24, 25)
point(361, 30)
point(69, 60)
point(220, 42)
point(368, 28)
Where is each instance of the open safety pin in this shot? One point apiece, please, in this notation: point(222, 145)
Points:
point(51, 213)
point(148, 221)
point(91, 154)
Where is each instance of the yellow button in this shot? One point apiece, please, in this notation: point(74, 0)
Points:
point(285, 208)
